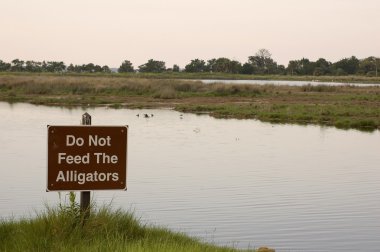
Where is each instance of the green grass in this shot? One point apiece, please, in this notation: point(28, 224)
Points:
point(65, 229)
point(208, 75)
point(340, 106)
point(343, 117)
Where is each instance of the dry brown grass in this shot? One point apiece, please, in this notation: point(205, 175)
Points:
point(35, 84)
point(345, 106)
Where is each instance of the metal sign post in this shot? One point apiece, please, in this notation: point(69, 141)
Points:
point(85, 196)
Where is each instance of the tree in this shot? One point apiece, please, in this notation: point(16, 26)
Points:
point(223, 65)
point(17, 65)
point(126, 67)
point(97, 69)
point(153, 66)
point(303, 67)
point(322, 67)
point(348, 65)
point(369, 66)
point(306, 66)
point(210, 66)
point(376, 62)
point(262, 62)
point(89, 68)
point(58, 66)
point(4, 66)
point(247, 68)
point(175, 68)
point(195, 66)
point(293, 67)
point(106, 69)
point(235, 66)
point(71, 68)
point(33, 66)
point(281, 69)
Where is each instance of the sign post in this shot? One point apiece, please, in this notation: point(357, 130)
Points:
point(85, 196)
point(85, 158)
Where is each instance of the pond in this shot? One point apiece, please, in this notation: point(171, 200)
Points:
point(289, 83)
point(241, 183)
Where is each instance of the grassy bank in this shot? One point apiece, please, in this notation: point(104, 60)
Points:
point(207, 75)
point(341, 106)
point(227, 76)
point(63, 229)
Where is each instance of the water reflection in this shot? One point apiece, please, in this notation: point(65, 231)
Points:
point(290, 83)
point(235, 182)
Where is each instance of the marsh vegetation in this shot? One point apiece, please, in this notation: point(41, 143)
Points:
point(340, 106)
point(65, 228)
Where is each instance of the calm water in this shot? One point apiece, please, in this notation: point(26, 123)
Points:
point(289, 83)
point(232, 182)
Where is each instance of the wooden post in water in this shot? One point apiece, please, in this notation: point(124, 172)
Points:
point(85, 196)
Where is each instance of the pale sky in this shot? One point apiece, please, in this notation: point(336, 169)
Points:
point(176, 31)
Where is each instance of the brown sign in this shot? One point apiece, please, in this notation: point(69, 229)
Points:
point(87, 158)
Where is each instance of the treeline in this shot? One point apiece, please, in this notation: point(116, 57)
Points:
point(50, 66)
point(261, 63)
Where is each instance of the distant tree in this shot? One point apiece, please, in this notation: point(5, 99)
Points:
point(377, 63)
point(59, 66)
point(301, 67)
point(262, 62)
point(195, 66)
point(293, 67)
point(153, 66)
point(175, 68)
point(263, 54)
point(281, 69)
point(369, 65)
point(210, 66)
point(33, 66)
point(4, 66)
point(75, 68)
point(71, 68)
point(44, 66)
point(126, 67)
point(223, 65)
point(322, 67)
point(306, 66)
point(88, 68)
point(340, 72)
point(235, 66)
point(17, 65)
point(97, 69)
point(348, 65)
point(247, 68)
point(53, 66)
point(106, 69)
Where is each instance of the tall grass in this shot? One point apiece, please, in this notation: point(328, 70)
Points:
point(210, 75)
point(105, 85)
point(64, 228)
point(340, 106)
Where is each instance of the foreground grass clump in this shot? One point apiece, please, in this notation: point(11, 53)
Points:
point(64, 229)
